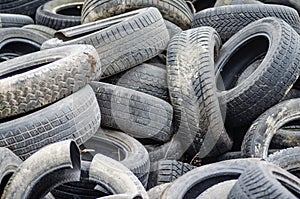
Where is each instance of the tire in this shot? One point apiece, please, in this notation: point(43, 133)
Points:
point(50, 166)
point(155, 192)
point(258, 138)
point(220, 189)
point(292, 94)
point(287, 159)
point(172, 28)
point(170, 170)
point(44, 30)
point(144, 78)
point(139, 36)
point(285, 138)
point(178, 12)
point(264, 180)
point(9, 163)
point(14, 20)
point(74, 117)
point(235, 2)
point(195, 182)
point(135, 113)
point(230, 156)
point(26, 7)
point(228, 20)
point(104, 170)
point(15, 42)
point(158, 61)
point(197, 115)
point(41, 78)
point(134, 155)
point(247, 100)
point(291, 3)
point(59, 14)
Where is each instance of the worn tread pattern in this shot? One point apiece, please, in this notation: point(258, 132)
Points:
point(170, 170)
point(265, 180)
point(74, 117)
point(46, 15)
point(135, 113)
point(138, 39)
point(145, 78)
point(258, 138)
point(177, 11)
point(44, 85)
point(197, 114)
point(228, 20)
point(277, 73)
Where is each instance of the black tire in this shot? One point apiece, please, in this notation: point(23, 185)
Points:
point(145, 78)
point(292, 3)
point(49, 167)
point(9, 163)
point(15, 42)
point(14, 20)
point(44, 30)
point(74, 117)
point(59, 14)
point(258, 138)
point(235, 2)
point(120, 147)
point(178, 12)
point(135, 113)
point(170, 170)
point(285, 138)
point(220, 189)
point(104, 171)
point(197, 115)
point(230, 156)
point(195, 182)
point(292, 94)
point(41, 78)
point(138, 36)
point(287, 159)
point(247, 100)
point(26, 7)
point(228, 20)
point(264, 180)
point(155, 192)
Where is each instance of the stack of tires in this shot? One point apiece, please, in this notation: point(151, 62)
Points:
point(149, 99)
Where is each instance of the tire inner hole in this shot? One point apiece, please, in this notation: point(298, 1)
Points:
point(243, 62)
point(71, 10)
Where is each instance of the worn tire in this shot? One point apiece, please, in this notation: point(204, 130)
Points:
point(264, 180)
point(135, 113)
point(9, 163)
point(177, 12)
point(74, 117)
point(15, 42)
point(44, 30)
point(155, 192)
point(14, 20)
point(258, 138)
point(285, 138)
point(133, 154)
point(287, 159)
point(278, 43)
point(50, 166)
point(54, 14)
point(235, 2)
point(31, 82)
point(220, 189)
point(228, 20)
point(26, 7)
point(145, 78)
point(197, 115)
point(195, 182)
point(138, 36)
